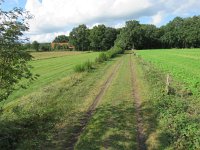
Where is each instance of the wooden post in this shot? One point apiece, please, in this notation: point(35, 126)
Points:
point(167, 88)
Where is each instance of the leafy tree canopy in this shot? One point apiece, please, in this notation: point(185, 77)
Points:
point(13, 60)
point(79, 37)
point(61, 39)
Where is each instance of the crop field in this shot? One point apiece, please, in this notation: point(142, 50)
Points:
point(120, 104)
point(52, 66)
point(182, 65)
point(174, 117)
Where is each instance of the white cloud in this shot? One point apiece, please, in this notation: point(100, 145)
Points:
point(46, 37)
point(158, 18)
point(55, 16)
point(119, 25)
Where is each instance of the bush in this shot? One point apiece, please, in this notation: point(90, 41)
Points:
point(101, 58)
point(61, 47)
point(114, 51)
point(87, 66)
point(45, 47)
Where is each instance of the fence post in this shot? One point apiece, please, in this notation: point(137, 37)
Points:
point(167, 88)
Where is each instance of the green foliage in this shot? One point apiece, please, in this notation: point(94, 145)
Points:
point(138, 36)
point(45, 47)
point(61, 47)
point(182, 33)
point(61, 39)
point(102, 37)
point(96, 37)
point(87, 66)
point(176, 116)
point(13, 60)
point(35, 45)
point(101, 58)
point(179, 33)
point(79, 37)
point(112, 125)
point(32, 122)
point(110, 36)
point(26, 46)
point(113, 52)
point(51, 69)
point(181, 64)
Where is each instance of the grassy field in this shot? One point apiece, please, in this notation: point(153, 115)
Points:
point(182, 65)
point(52, 69)
point(44, 55)
point(50, 116)
point(171, 120)
point(60, 109)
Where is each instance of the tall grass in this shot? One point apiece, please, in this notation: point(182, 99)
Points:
point(87, 66)
point(105, 56)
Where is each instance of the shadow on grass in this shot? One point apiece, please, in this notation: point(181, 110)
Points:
point(111, 127)
point(26, 132)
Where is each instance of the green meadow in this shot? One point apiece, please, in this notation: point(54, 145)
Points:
point(52, 67)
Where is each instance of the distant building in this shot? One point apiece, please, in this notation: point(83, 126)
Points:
point(69, 46)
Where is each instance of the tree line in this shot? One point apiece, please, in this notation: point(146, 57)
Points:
point(178, 33)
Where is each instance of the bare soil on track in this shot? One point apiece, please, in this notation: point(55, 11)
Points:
point(92, 107)
point(140, 137)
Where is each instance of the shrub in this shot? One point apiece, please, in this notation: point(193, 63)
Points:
point(79, 68)
point(45, 47)
point(61, 47)
point(87, 66)
point(101, 58)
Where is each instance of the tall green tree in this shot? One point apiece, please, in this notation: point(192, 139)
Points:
point(138, 36)
point(181, 33)
point(35, 45)
point(110, 36)
point(150, 36)
point(13, 60)
point(130, 36)
point(61, 39)
point(97, 34)
point(79, 37)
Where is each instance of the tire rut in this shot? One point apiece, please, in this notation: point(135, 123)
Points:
point(140, 137)
point(92, 107)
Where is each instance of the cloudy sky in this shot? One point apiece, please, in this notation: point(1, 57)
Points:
point(55, 17)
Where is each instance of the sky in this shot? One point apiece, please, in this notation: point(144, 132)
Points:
point(58, 17)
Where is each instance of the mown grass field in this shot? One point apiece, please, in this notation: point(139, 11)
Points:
point(43, 55)
point(51, 67)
